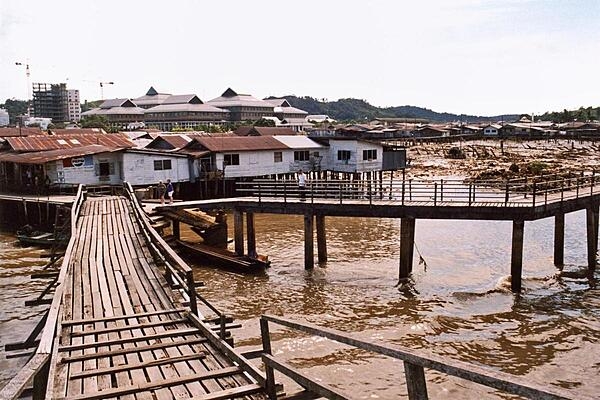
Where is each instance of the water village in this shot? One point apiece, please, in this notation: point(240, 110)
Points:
point(126, 318)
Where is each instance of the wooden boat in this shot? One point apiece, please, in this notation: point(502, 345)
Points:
point(37, 238)
point(225, 257)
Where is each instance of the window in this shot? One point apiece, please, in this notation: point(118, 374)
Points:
point(231, 159)
point(160, 165)
point(369, 154)
point(302, 155)
point(343, 155)
point(278, 156)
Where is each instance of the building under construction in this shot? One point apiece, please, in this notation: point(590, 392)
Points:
point(50, 100)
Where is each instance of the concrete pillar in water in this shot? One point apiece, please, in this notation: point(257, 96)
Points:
point(309, 250)
point(250, 232)
point(238, 232)
point(321, 239)
point(592, 238)
point(407, 245)
point(559, 240)
point(176, 230)
point(516, 259)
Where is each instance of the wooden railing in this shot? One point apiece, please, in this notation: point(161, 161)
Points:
point(532, 192)
point(415, 362)
point(177, 272)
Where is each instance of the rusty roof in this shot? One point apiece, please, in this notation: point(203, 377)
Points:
point(42, 157)
point(263, 131)
point(174, 141)
point(77, 131)
point(41, 143)
point(238, 143)
point(23, 131)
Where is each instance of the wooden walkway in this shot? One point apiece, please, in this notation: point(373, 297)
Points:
point(122, 332)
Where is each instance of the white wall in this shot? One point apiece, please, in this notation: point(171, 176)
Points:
point(138, 169)
point(86, 174)
point(256, 163)
point(356, 162)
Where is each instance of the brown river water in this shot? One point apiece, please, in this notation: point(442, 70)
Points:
point(459, 306)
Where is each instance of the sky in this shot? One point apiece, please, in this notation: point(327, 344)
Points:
point(476, 57)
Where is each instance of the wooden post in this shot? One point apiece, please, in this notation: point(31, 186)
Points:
point(270, 374)
point(407, 243)
point(238, 232)
point(309, 246)
point(415, 381)
point(559, 240)
point(176, 230)
point(321, 239)
point(251, 234)
point(591, 237)
point(516, 261)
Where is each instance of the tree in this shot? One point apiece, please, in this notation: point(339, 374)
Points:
point(96, 121)
point(265, 122)
point(15, 108)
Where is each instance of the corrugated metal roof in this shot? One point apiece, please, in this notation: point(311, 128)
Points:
point(114, 111)
point(239, 143)
point(231, 98)
point(175, 141)
point(41, 143)
point(182, 98)
point(24, 131)
point(77, 131)
point(42, 157)
point(298, 142)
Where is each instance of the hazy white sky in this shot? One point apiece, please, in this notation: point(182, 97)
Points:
point(463, 56)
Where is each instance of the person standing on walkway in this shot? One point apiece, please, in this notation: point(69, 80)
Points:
point(302, 185)
point(161, 192)
point(170, 191)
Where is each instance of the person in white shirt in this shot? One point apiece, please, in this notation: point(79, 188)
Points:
point(302, 185)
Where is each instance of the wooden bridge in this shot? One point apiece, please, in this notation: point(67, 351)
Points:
point(118, 329)
point(516, 200)
point(126, 321)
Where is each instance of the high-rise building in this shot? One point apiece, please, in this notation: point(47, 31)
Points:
point(50, 100)
point(74, 105)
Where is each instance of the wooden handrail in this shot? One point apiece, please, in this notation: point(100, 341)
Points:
point(419, 359)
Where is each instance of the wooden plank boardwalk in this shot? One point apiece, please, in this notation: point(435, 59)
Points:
point(122, 332)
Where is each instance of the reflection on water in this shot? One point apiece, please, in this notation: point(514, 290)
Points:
point(459, 306)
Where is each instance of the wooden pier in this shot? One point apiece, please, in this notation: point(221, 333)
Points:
point(410, 200)
point(116, 327)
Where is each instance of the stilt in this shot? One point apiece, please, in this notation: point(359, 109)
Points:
point(309, 250)
point(516, 261)
point(238, 232)
point(321, 239)
point(591, 237)
point(407, 243)
point(251, 235)
point(559, 240)
point(176, 230)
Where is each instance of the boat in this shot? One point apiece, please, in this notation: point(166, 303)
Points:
point(38, 238)
point(225, 257)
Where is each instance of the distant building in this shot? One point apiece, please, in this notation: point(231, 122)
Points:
point(151, 99)
point(319, 118)
point(119, 112)
point(184, 111)
point(286, 115)
point(37, 121)
point(4, 118)
point(242, 107)
point(491, 130)
point(51, 100)
point(74, 106)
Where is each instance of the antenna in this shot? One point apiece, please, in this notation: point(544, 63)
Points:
point(28, 75)
point(102, 88)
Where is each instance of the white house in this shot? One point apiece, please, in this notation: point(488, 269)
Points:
point(147, 167)
point(304, 153)
point(4, 119)
point(491, 130)
point(351, 155)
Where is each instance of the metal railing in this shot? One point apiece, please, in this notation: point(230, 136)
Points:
point(525, 192)
point(415, 362)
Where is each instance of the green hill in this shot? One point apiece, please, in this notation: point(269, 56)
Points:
point(359, 110)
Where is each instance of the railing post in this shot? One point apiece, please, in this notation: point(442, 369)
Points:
point(370, 194)
point(534, 192)
point(592, 184)
point(192, 292)
point(506, 194)
point(403, 190)
point(259, 193)
point(415, 381)
point(410, 189)
point(266, 343)
point(441, 190)
point(222, 322)
point(340, 192)
point(312, 192)
point(284, 191)
point(577, 183)
point(435, 193)
point(470, 190)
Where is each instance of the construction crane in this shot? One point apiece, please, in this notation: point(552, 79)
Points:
point(102, 88)
point(28, 75)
